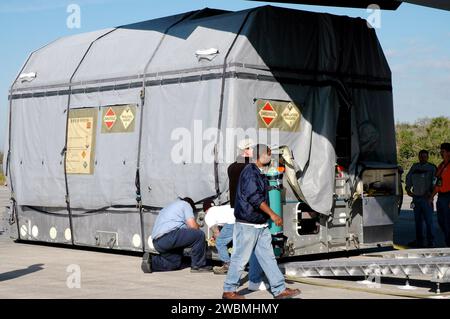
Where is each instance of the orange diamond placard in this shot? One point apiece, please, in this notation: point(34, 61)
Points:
point(110, 118)
point(268, 114)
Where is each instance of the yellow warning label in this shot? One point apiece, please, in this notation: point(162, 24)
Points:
point(290, 115)
point(81, 141)
point(127, 117)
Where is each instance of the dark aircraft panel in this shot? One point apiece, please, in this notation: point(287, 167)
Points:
point(384, 4)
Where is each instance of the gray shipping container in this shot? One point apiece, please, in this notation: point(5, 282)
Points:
point(97, 121)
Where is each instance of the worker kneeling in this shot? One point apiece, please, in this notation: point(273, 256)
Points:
point(176, 229)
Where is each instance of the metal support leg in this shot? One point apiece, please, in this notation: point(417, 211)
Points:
point(407, 286)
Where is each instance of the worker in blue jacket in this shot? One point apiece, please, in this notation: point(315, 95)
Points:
point(252, 234)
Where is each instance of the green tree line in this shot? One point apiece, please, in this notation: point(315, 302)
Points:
point(427, 134)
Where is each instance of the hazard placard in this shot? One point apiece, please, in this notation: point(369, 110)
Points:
point(109, 118)
point(282, 115)
point(127, 117)
point(290, 115)
point(118, 118)
point(268, 114)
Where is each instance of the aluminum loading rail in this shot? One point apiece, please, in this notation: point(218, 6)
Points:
point(412, 253)
point(428, 264)
point(438, 267)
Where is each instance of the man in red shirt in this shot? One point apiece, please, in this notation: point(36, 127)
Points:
point(442, 188)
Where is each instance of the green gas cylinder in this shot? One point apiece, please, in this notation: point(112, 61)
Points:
point(276, 183)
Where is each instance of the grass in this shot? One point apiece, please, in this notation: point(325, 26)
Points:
point(2, 178)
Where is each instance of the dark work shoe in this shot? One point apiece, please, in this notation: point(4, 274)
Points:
point(146, 264)
point(201, 269)
point(232, 295)
point(288, 293)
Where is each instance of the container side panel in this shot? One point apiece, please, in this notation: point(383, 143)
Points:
point(38, 133)
point(179, 134)
point(112, 181)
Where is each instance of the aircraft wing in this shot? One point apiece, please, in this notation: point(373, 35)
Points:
point(383, 4)
point(438, 4)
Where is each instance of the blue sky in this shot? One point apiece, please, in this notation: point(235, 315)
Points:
point(416, 41)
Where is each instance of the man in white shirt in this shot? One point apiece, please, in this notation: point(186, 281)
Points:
point(223, 216)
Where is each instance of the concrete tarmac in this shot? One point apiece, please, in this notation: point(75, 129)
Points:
point(36, 271)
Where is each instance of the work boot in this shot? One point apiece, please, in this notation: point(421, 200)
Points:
point(221, 270)
point(201, 269)
point(232, 295)
point(288, 293)
point(146, 264)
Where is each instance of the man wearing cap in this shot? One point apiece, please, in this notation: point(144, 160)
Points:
point(234, 170)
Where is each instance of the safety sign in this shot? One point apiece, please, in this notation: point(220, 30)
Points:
point(118, 118)
point(276, 114)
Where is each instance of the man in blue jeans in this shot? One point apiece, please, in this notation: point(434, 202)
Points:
point(245, 147)
point(174, 230)
point(251, 230)
point(419, 185)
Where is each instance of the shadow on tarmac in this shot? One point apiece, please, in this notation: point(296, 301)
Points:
point(20, 272)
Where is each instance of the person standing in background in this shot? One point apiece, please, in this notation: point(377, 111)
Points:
point(419, 185)
point(442, 188)
point(234, 170)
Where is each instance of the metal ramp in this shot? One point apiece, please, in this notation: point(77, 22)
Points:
point(412, 253)
point(429, 264)
point(438, 267)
